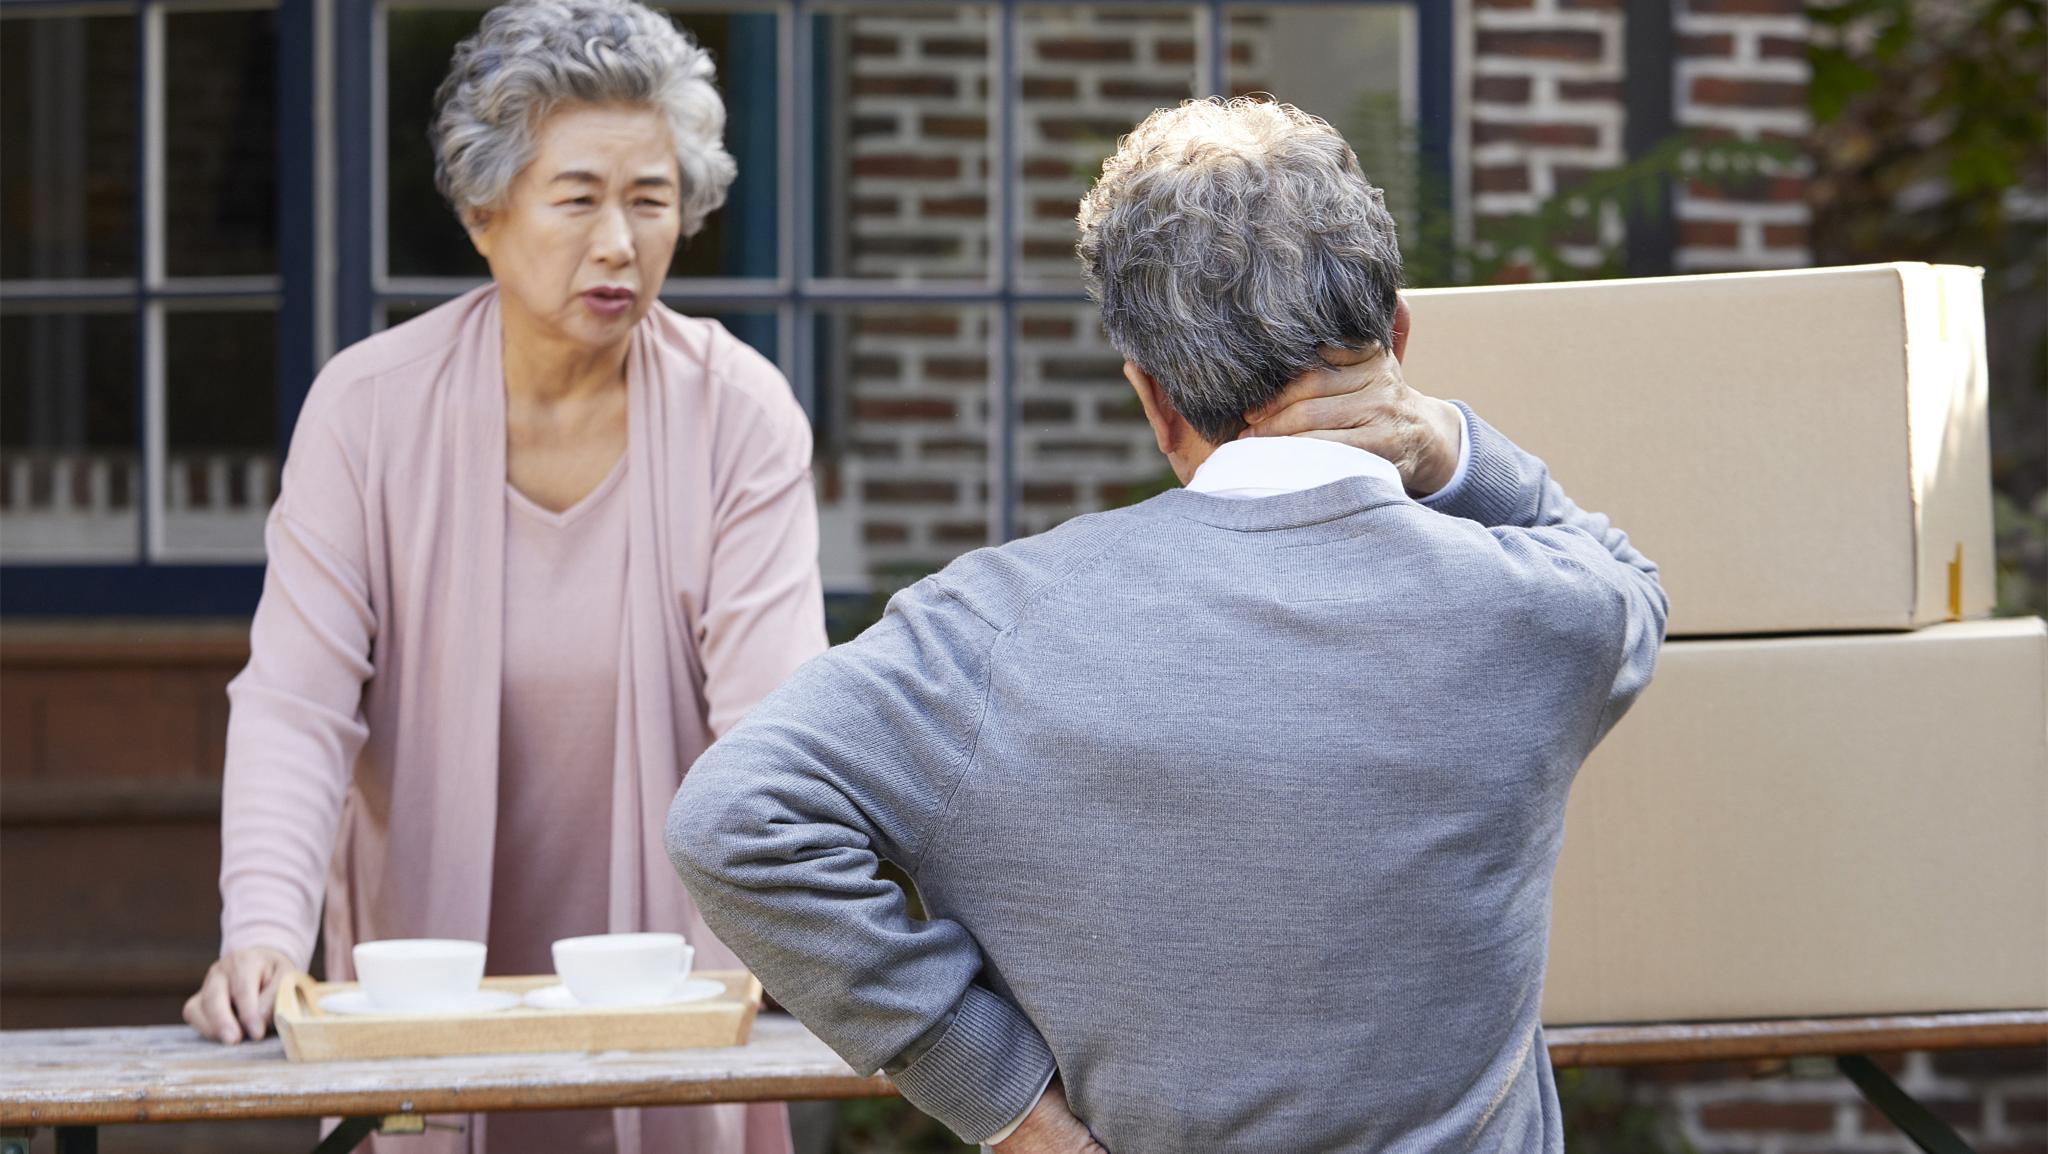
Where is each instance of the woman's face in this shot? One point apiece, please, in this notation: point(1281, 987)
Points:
point(584, 236)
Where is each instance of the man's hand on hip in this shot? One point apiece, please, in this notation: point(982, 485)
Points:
point(1051, 1128)
point(1361, 400)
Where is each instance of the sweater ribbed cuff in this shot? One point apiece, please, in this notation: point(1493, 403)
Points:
point(1494, 491)
point(983, 1071)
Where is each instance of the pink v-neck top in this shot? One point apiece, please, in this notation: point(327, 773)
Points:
point(565, 588)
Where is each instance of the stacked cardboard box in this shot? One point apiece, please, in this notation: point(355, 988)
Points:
point(1833, 799)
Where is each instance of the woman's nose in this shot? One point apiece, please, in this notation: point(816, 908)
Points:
point(613, 241)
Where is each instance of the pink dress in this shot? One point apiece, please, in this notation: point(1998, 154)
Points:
point(364, 781)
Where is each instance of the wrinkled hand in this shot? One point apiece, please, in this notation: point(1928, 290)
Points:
point(236, 999)
point(1361, 400)
point(1051, 1128)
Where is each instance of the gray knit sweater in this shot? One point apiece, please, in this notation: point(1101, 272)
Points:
point(1243, 812)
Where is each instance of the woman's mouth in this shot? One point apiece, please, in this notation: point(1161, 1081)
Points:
point(610, 301)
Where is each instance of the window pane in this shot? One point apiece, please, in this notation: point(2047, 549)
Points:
point(220, 451)
point(423, 237)
point(1352, 66)
point(1086, 76)
point(220, 143)
point(67, 115)
point(69, 483)
point(904, 151)
point(904, 433)
point(1082, 441)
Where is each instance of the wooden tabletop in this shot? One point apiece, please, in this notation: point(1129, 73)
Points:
point(167, 1074)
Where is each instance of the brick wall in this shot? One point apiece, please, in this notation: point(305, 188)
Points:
point(1741, 71)
point(1546, 109)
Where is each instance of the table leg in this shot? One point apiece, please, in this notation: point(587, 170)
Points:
point(78, 1140)
point(347, 1136)
point(1920, 1126)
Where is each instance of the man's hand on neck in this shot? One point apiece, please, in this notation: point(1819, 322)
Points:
point(1361, 400)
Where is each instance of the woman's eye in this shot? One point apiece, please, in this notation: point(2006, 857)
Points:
point(645, 203)
point(581, 201)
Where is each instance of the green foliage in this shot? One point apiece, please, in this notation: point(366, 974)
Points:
point(1931, 143)
point(1600, 1116)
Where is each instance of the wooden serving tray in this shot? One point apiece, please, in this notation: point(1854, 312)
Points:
point(312, 1035)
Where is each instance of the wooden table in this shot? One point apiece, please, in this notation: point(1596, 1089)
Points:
point(77, 1080)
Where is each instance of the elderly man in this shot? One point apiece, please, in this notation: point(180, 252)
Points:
point(1234, 812)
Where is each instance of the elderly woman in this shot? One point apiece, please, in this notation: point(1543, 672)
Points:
point(535, 550)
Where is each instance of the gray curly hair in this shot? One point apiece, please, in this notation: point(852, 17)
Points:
point(1226, 243)
point(530, 57)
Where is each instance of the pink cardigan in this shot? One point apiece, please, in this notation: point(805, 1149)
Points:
point(362, 738)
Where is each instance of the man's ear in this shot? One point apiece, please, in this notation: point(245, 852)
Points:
point(1400, 328)
point(1166, 424)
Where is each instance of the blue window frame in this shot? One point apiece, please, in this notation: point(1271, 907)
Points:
point(358, 244)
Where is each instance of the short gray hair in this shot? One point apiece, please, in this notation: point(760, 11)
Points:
point(1227, 242)
point(531, 57)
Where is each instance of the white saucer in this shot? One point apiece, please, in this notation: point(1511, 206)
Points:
point(480, 1002)
point(559, 998)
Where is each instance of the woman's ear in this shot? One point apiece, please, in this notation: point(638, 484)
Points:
point(477, 223)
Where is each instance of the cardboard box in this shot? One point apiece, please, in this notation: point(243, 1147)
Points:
point(1801, 451)
point(1812, 826)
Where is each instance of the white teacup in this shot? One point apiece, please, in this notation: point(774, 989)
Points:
point(622, 969)
point(419, 973)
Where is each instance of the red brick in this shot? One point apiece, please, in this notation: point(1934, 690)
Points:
point(1566, 177)
point(882, 533)
point(1749, 7)
point(1043, 410)
point(955, 127)
point(1035, 249)
point(906, 246)
point(956, 368)
point(1590, 89)
point(1127, 89)
point(903, 409)
point(908, 492)
point(970, 447)
point(877, 365)
point(1540, 44)
point(1715, 44)
point(1724, 91)
point(1963, 1114)
point(1053, 208)
point(1174, 51)
point(1574, 135)
point(1501, 178)
point(954, 206)
point(911, 167)
point(1059, 328)
point(1050, 88)
point(1781, 48)
point(1124, 411)
point(2026, 1111)
point(2013, 1062)
point(1501, 89)
point(874, 206)
point(875, 46)
point(910, 324)
point(1507, 3)
point(1796, 1117)
point(1082, 128)
point(1084, 49)
point(1092, 369)
point(1709, 233)
point(905, 86)
point(873, 126)
point(1606, 4)
point(1049, 168)
point(960, 532)
point(956, 46)
point(1769, 188)
point(1787, 236)
point(1049, 493)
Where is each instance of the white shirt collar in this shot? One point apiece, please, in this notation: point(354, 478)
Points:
point(1270, 466)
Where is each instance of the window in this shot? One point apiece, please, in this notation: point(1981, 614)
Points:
point(900, 241)
point(143, 300)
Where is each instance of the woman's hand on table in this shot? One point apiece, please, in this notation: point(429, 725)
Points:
point(236, 999)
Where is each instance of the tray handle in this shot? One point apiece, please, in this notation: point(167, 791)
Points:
point(299, 987)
